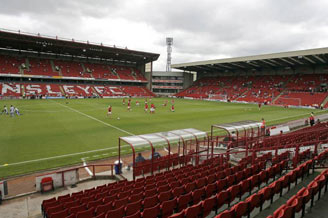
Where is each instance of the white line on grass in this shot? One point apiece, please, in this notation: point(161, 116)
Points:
point(86, 168)
point(104, 149)
point(93, 118)
point(60, 156)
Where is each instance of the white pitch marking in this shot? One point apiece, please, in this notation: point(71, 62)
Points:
point(167, 150)
point(86, 168)
point(61, 156)
point(93, 118)
point(103, 149)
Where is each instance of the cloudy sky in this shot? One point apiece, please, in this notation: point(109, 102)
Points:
point(202, 30)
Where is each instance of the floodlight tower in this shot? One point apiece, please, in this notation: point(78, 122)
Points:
point(169, 43)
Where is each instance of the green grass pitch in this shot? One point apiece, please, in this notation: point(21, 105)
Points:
point(50, 128)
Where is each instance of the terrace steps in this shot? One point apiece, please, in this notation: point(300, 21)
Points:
point(325, 101)
point(277, 97)
point(53, 67)
point(244, 93)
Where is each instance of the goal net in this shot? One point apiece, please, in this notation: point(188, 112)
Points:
point(221, 97)
point(289, 101)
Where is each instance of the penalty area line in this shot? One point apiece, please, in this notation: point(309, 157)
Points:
point(93, 118)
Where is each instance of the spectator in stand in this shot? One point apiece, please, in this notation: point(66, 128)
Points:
point(311, 118)
point(140, 158)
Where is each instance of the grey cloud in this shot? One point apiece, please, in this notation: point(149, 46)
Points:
point(201, 29)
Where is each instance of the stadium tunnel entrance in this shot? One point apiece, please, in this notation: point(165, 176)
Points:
point(183, 146)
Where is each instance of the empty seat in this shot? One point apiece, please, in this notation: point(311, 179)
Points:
point(150, 201)
point(117, 213)
point(59, 214)
point(208, 205)
point(133, 207)
point(197, 195)
point(151, 212)
point(167, 207)
point(120, 202)
point(165, 196)
point(103, 208)
point(184, 200)
point(193, 211)
point(86, 214)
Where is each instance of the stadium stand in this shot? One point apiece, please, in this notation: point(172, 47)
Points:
point(183, 191)
point(56, 90)
point(213, 188)
point(303, 90)
point(39, 67)
point(10, 65)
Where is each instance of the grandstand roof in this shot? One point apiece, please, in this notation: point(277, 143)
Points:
point(276, 60)
point(20, 41)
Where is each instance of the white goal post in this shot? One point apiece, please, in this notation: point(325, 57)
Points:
point(218, 97)
point(289, 101)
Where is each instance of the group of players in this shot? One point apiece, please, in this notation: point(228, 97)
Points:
point(12, 111)
point(151, 110)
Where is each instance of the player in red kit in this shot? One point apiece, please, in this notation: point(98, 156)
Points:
point(109, 111)
point(152, 108)
point(129, 105)
point(172, 108)
point(123, 101)
point(146, 107)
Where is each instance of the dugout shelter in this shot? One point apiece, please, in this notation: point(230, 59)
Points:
point(182, 146)
point(236, 134)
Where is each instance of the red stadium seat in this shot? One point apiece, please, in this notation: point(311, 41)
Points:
point(208, 205)
point(197, 195)
point(152, 212)
point(121, 202)
point(178, 215)
point(241, 209)
point(165, 196)
point(193, 211)
point(167, 207)
point(226, 214)
point(184, 200)
point(103, 208)
point(59, 214)
point(86, 214)
point(136, 215)
point(117, 213)
point(133, 207)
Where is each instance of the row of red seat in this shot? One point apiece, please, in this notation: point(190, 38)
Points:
point(306, 197)
point(265, 196)
point(308, 134)
point(299, 91)
point(113, 192)
point(166, 162)
point(45, 67)
point(322, 158)
point(228, 189)
point(143, 188)
point(229, 195)
point(57, 90)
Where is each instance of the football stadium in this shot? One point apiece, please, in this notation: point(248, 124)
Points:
point(91, 130)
